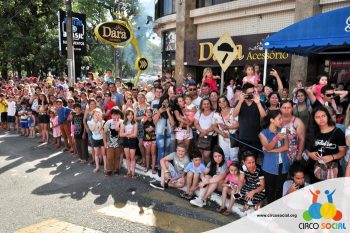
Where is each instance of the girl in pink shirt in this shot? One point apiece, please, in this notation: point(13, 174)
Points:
point(229, 186)
point(321, 82)
point(56, 131)
point(250, 76)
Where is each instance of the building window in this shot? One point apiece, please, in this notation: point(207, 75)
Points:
point(164, 7)
point(204, 3)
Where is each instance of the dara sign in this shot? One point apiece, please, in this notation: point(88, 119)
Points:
point(113, 33)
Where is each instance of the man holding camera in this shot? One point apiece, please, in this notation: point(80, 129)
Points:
point(250, 112)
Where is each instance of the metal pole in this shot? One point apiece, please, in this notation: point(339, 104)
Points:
point(265, 67)
point(70, 47)
point(222, 82)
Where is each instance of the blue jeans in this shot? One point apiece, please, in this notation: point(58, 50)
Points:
point(163, 147)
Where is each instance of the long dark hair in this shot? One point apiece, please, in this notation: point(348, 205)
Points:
point(269, 97)
point(212, 168)
point(272, 114)
point(218, 109)
point(302, 91)
point(177, 108)
point(164, 97)
point(330, 122)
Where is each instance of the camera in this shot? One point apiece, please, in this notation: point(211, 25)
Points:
point(249, 96)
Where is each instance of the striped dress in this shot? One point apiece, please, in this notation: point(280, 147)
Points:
point(252, 181)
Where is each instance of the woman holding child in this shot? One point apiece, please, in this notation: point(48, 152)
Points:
point(224, 124)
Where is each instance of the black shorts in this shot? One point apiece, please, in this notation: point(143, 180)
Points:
point(11, 119)
point(43, 119)
point(4, 117)
point(97, 143)
point(130, 143)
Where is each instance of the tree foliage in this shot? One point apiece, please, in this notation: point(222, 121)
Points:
point(29, 36)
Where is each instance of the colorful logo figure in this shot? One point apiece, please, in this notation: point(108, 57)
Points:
point(327, 210)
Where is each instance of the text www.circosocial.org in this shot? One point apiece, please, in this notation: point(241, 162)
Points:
point(277, 215)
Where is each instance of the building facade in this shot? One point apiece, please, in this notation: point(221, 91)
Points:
point(190, 28)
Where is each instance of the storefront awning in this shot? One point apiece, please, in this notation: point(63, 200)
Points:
point(313, 35)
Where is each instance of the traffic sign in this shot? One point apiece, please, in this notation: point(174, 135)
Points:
point(142, 63)
point(225, 51)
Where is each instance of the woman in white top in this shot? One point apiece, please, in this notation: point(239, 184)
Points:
point(225, 123)
point(202, 122)
point(96, 127)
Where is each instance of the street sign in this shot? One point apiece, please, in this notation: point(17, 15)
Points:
point(225, 51)
point(142, 64)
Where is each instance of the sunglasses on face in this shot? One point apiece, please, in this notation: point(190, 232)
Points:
point(192, 89)
point(330, 95)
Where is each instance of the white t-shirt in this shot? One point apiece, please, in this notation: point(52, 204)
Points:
point(11, 108)
point(229, 94)
point(96, 134)
point(197, 102)
point(204, 121)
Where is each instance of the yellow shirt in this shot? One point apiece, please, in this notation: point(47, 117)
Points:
point(3, 106)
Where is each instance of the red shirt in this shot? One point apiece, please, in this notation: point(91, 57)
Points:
point(109, 106)
point(212, 84)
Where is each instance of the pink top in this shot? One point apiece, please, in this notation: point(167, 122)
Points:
point(232, 180)
point(253, 80)
point(318, 91)
point(56, 131)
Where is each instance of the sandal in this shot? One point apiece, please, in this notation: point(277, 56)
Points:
point(226, 212)
point(221, 210)
point(127, 175)
point(145, 170)
point(154, 171)
point(96, 170)
point(133, 177)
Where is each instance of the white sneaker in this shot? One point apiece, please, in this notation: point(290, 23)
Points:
point(198, 202)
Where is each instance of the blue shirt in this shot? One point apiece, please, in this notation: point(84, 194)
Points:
point(196, 170)
point(271, 159)
point(118, 99)
point(63, 114)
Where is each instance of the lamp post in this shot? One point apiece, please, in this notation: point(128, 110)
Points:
point(70, 47)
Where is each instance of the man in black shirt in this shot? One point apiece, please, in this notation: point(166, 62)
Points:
point(330, 99)
point(250, 112)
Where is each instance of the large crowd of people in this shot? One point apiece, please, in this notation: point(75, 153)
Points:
point(253, 143)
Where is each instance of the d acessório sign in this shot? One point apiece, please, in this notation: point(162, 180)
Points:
point(113, 33)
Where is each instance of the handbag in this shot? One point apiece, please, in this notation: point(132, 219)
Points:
point(329, 170)
point(326, 171)
point(204, 143)
point(233, 136)
point(234, 139)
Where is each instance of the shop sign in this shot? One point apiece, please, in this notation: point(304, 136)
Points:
point(78, 29)
point(248, 50)
point(113, 33)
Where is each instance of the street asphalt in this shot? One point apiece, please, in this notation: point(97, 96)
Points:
point(44, 187)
